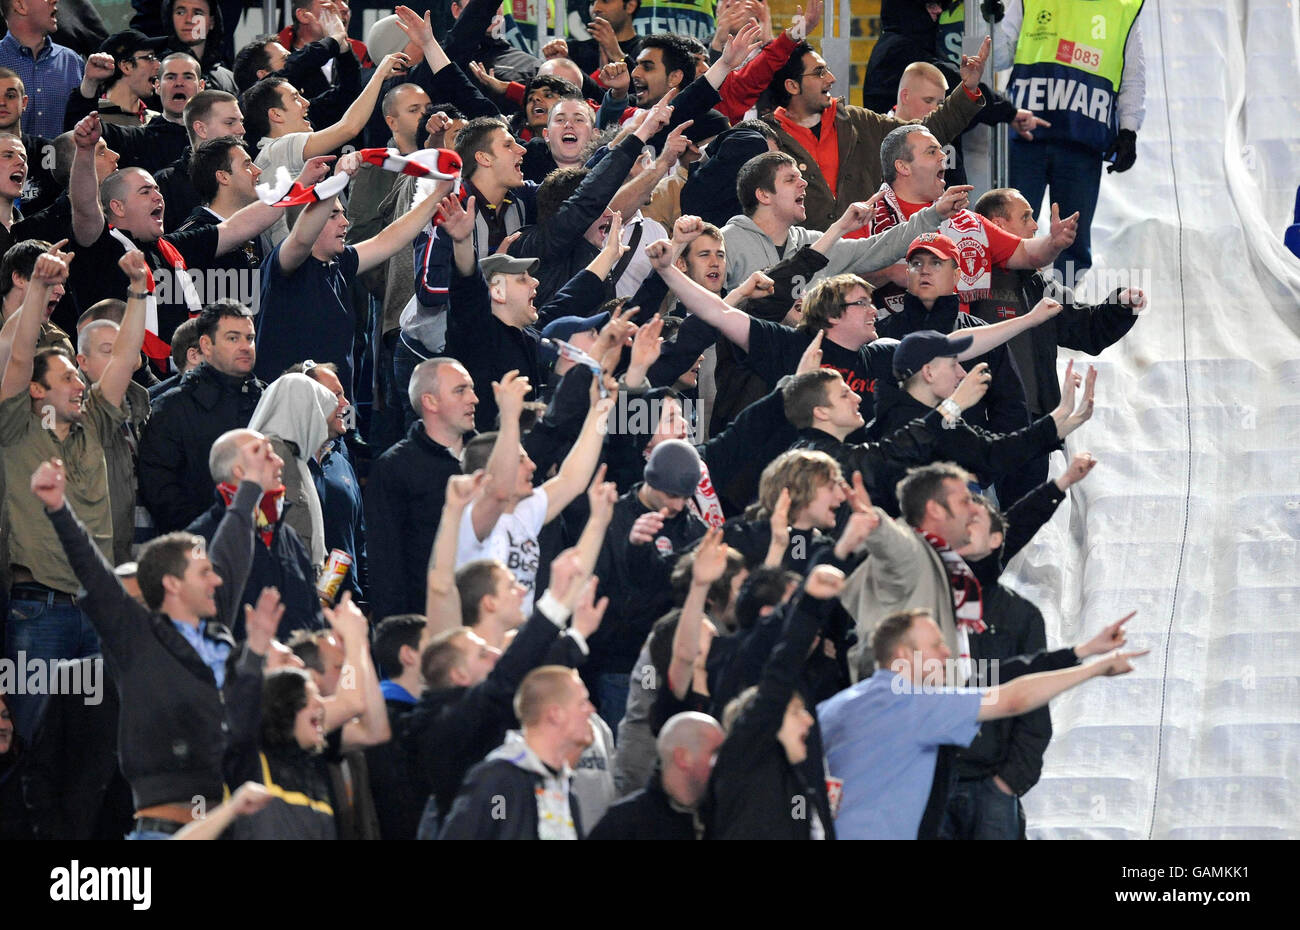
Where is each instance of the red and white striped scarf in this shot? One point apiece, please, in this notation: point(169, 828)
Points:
point(966, 601)
point(154, 346)
point(974, 263)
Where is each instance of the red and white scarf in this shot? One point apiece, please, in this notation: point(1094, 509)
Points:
point(269, 509)
point(441, 164)
point(968, 605)
point(966, 601)
point(154, 346)
point(974, 263)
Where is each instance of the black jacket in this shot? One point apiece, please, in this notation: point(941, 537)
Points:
point(711, 190)
point(72, 782)
point(987, 454)
point(1003, 408)
point(392, 766)
point(635, 578)
point(175, 726)
point(452, 729)
point(882, 464)
point(559, 241)
point(648, 814)
point(1082, 327)
point(403, 501)
point(285, 566)
point(175, 483)
point(755, 792)
point(152, 146)
point(179, 195)
point(15, 819)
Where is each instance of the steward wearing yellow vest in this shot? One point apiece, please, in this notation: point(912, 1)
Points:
point(694, 18)
point(1079, 65)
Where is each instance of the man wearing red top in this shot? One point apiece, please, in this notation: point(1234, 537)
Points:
point(912, 164)
point(835, 143)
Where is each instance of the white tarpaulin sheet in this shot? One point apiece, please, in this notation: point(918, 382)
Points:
point(1193, 515)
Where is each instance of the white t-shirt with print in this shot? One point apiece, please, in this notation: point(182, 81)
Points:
point(513, 541)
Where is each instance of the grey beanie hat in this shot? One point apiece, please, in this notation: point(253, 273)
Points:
point(674, 468)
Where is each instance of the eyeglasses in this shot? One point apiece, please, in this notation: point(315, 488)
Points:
point(147, 56)
point(863, 302)
point(818, 73)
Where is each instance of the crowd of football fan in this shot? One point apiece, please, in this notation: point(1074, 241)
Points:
point(424, 438)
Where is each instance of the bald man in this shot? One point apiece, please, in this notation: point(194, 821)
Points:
point(667, 807)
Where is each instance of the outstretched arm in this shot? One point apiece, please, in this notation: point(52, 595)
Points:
point(1031, 692)
point(576, 471)
point(709, 307)
point(357, 115)
point(1042, 251)
point(258, 217)
point(83, 183)
point(987, 338)
point(401, 234)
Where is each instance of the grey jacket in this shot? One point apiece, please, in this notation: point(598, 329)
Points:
point(749, 249)
point(902, 571)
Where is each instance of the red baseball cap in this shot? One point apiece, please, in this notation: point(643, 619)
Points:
point(934, 243)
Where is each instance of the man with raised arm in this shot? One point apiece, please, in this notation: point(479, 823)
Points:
point(46, 412)
point(839, 307)
point(177, 753)
point(504, 524)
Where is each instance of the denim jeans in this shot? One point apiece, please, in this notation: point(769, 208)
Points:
point(139, 834)
point(1073, 174)
point(611, 697)
point(980, 810)
point(42, 631)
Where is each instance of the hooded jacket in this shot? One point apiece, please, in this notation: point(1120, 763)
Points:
point(214, 63)
point(297, 409)
point(504, 795)
point(711, 190)
point(749, 249)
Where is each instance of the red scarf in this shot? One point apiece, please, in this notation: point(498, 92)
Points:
point(966, 601)
point(269, 509)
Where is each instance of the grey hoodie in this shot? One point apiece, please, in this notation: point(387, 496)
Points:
point(297, 409)
point(749, 249)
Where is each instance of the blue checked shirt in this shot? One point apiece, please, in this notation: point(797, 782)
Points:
point(48, 79)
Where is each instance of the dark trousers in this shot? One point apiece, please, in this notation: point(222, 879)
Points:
point(979, 810)
point(1073, 174)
